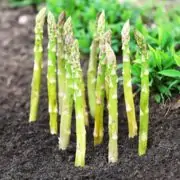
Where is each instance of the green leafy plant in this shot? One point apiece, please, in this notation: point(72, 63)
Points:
point(164, 73)
point(21, 3)
point(84, 16)
point(164, 58)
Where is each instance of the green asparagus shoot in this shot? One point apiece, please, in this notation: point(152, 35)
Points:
point(60, 60)
point(67, 104)
point(144, 96)
point(92, 69)
point(127, 85)
point(51, 73)
point(100, 90)
point(111, 84)
point(38, 57)
point(79, 106)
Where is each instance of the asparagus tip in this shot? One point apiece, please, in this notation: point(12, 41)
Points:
point(111, 58)
point(125, 34)
point(101, 23)
point(62, 18)
point(126, 28)
point(68, 22)
point(107, 35)
point(41, 16)
point(51, 18)
point(139, 39)
point(68, 32)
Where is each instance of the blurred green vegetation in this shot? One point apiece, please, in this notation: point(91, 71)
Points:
point(159, 24)
point(21, 3)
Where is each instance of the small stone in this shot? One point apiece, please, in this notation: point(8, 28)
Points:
point(23, 20)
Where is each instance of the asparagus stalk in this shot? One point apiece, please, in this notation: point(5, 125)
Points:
point(100, 91)
point(84, 104)
point(144, 96)
point(67, 105)
point(111, 83)
point(79, 106)
point(60, 60)
point(38, 56)
point(108, 39)
point(92, 68)
point(128, 94)
point(51, 73)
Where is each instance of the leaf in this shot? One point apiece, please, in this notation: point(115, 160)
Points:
point(173, 83)
point(177, 59)
point(164, 90)
point(157, 98)
point(170, 73)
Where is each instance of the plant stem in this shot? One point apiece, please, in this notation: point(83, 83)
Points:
point(85, 104)
point(60, 60)
point(144, 96)
point(51, 73)
point(100, 91)
point(67, 105)
point(38, 56)
point(111, 83)
point(128, 93)
point(79, 106)
point(92, 68)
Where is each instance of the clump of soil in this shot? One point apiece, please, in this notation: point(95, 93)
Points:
point(28, 151)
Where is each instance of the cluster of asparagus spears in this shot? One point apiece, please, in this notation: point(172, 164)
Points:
point(102, 83)
point(63, 74)
point(127, 85)
point(66, 88)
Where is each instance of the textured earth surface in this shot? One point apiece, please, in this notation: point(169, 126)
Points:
point(28, 151)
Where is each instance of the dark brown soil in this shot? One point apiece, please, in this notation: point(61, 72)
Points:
point(28, 151)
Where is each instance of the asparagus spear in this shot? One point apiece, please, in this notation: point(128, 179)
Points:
point(128, 94)
point(79, 106)
point(108, 39)
point(92, 69)
point(144, 96)
point(51, 73)
point(67, 105)
point(100, 91)
point(111, 83)
point(38, 56)
point(60, 60)
point(85, 104)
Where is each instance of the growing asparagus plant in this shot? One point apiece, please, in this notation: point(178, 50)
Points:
point(67, 104)
point(60, 59)
point(92, 68)
point(144, 96)
point(51, 73)
point(100, 89)
point(80, 107)
point(111, 93)
point(38, 56)
point(102, 80)
point(127, 85)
